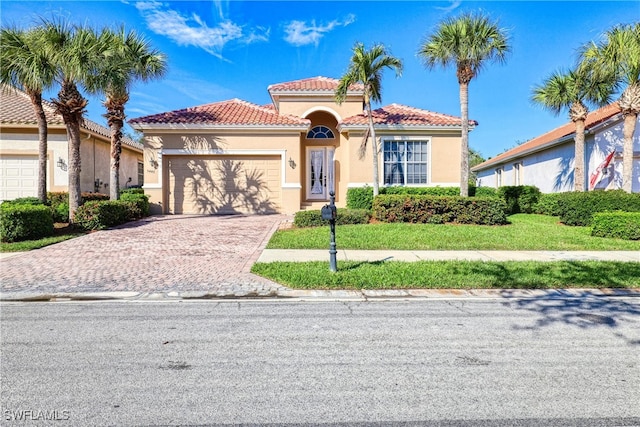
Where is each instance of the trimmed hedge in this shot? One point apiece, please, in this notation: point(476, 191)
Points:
point(519, 198)
point(483, 192)
point(24, 221)
point(577, 208)
point(362, 197)
point(139, 199)
point(617, 225)
point(96, 215)
point(548, 204)
point(344, 216)
point(439, 209)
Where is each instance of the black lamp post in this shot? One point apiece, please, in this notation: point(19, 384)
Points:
point(329, 212)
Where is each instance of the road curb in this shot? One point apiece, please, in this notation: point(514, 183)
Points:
point(320, 295)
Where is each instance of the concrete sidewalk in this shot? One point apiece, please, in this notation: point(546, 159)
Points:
point(297, 255)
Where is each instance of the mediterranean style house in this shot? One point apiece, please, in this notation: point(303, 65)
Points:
point(547, 161)
point(237, 157)
point(19, 151)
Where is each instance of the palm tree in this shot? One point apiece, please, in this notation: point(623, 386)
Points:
point(24, 65)
point(619, 53)
point(125, 58)
point(73, 51)
point(467, 42)
point(573, 90)
point(366, 67)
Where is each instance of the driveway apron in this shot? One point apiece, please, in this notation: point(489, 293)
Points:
point(157, 254)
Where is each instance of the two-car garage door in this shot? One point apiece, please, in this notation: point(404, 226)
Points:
point(224, 184)
point(18, 176)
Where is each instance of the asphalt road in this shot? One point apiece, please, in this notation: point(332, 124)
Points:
point(534, 362)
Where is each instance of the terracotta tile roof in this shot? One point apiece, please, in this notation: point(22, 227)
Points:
point(313, 84)
point(16, 109)
point(234, 112)
point(401, 115)
point(556, 135)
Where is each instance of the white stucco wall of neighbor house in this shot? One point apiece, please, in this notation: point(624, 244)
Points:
point(606, 140)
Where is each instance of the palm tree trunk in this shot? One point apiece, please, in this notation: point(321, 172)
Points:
point(578, 170)
point(36, 100)
point(464, 140)
point(115, 119)
point(70, 104)
point(374, 148)
point(630, 121)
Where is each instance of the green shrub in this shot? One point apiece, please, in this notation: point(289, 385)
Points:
point(95, 215)
point(618, 225)
point(132, 190)
point(439, 209)
point(56, 198)
point(519, 198)
point(483, 192)
point(92, 197)
point(25, 221)
point(23, 201)
point(60, 212)
point(139, 199)
point(344, 216)
point(548, 204)
point(360, 198)
point(577, 208)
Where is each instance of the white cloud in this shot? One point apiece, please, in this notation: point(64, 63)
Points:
point(194, 31)
point(300, 33)
point(453, 6)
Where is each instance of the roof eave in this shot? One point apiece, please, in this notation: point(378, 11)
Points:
point(537, 148)
point(181, 126)
point(383, 127)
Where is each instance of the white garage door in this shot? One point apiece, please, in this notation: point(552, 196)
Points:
point(224, 184)
point(19, 177)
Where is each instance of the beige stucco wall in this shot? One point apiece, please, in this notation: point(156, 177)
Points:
point(444, 158)
point(94, 157)
point(302, 107)
point(284, 144)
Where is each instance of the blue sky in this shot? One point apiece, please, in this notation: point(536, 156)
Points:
point(219, 50)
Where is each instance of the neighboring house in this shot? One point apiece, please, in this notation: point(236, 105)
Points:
point(19, 151)
point(547, 161)
point(238, 157)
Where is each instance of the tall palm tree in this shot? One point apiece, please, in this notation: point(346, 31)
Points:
point(573, 90)
point(74, 53)
point(24, 65)
point(467, 42)
point(619, 53)
point(125, 58)
point(366, 67)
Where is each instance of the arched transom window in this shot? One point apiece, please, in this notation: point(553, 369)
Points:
point(320, 132)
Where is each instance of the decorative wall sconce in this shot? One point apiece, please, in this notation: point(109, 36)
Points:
point(153, 163)
point(292, 164)
point(61, 164)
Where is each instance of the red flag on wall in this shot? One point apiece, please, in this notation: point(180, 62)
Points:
point(597, 175)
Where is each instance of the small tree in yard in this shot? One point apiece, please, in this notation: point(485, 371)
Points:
point(573, 90)
point(467, 42)
point(124, 57)
point(366, 67)
point(619, 54)
point(24, 64)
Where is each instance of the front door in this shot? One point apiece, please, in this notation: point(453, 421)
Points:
point(320, 173)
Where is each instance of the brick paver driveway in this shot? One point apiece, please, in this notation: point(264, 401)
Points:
point(157, 254)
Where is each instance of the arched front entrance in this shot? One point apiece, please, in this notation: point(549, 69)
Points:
point(319, 147)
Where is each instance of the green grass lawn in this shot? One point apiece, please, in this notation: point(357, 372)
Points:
point(61, 233)
point(526, 232)
point(453, 275)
